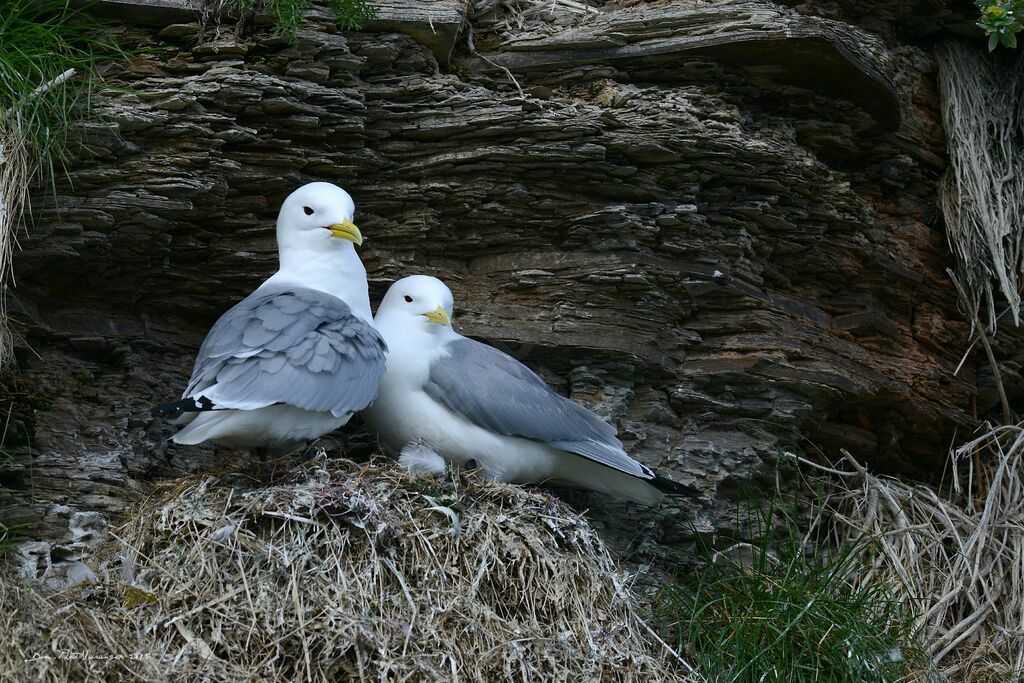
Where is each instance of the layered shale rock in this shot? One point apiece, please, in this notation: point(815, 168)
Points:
point(714, 223)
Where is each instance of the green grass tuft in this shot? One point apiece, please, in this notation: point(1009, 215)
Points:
point(39, 101)
point(772, 611)
point(288, 14)
point(352, 14)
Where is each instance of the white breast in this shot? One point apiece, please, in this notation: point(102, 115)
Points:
point(405, 414)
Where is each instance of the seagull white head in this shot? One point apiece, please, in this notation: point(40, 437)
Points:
point(317, 217)
point(419, 301)
point(316, 242)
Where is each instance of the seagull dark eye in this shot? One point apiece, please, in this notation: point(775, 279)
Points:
point(308, 210)
point(408, 299)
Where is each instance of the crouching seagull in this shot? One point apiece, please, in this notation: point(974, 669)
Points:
point(297, 357)
point(458, 399)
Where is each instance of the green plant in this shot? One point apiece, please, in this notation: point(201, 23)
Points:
point(1001, 20)
point(352, 14)
point(779, 610)
point(349, 14)
point(47, 76)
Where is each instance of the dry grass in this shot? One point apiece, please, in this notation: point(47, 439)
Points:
point(983, 116)
point(15, 171)
point(958, 559)
point(342, 572)
point(20, 163)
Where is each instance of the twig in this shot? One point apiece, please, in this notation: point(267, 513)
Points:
point(822, 468)
point(472, 49)
point(51, 84)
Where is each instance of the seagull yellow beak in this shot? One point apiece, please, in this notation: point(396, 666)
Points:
point(346, 230)
point(439, 316)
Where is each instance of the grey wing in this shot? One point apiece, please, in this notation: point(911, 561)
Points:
point(295, 346)
point(495, 391)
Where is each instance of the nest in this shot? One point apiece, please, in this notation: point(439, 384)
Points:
point(342, 572)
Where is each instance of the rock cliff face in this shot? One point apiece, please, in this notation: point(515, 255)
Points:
point(714, 223)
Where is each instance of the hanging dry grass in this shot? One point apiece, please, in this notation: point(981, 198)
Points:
point(343, 573)
point(959, 562)
point(19, 165)
point(983, 116)
point(15, 171)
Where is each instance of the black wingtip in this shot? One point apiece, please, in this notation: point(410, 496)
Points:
point(179, 408)
point(670, 487)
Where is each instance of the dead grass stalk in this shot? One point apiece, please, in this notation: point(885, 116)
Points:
point(958, 558)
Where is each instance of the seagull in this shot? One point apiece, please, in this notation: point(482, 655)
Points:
point(297, 357)
point(447, 397)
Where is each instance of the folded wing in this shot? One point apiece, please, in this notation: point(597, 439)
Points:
point(498, 393)
point(296, 346)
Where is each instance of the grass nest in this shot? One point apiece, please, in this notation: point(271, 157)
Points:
point(341, 571)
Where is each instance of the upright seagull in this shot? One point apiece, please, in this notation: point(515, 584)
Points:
point(294, 359)
point(449, 396)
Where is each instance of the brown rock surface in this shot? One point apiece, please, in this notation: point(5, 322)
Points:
point(714, 223)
